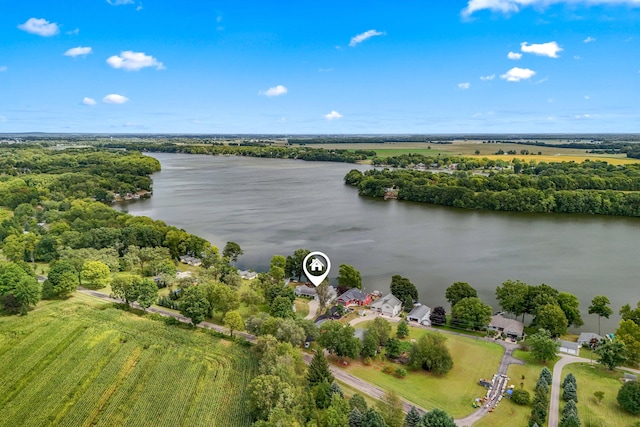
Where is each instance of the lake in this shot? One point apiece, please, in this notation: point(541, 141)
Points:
point(274, 206)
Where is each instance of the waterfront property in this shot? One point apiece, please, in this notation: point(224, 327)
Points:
point(585, 338)
point(248, 275)
point(190, 260)
point(354, 296)
point(569, 347)
point(306, 291)
point(420, 314)
point(388, 305)
point(510, 327)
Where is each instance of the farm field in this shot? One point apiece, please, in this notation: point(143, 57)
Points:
point(453, 392)
point(80, 362)
point(592, 378)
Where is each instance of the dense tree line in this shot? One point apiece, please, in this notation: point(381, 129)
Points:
point(590, 188)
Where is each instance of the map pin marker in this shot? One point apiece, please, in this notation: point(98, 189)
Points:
point(317, 270)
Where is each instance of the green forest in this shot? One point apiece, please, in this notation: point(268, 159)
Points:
point(587, 188)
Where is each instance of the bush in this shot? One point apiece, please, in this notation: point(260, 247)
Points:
point(521, 397)
point(400, 372)
point(387, 369)
point(629, 397)
point(367, 361)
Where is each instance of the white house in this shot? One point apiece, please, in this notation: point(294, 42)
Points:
point(569, 347)
point(248, 275)
point(420, 314)
point(388, 305)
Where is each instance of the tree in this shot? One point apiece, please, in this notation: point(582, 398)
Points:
point(552, 318)
point(570, 304)
point(413, 418)
point(63, 279)
point(390, 407)
point(289, 331)
point(319, 370)
point(194, 304)
point(437, 418)
point(430, 353)
point(372, 418)
point(392, 349)
point(570, 393)
point(382, 329)
point(348, 277)
point(27, 293)
point(521, 397)
point(458, 291)
point(629, 397)
point(278, 261)
point(357, 401)
point(369, 344)
point(600, 306)
point(293, 267)
point(612, 353)
point(403, 329)
point(282, 307)
point(355, 417)
point(438, 316)
point(126, 286)
point(147, 293)
point(232, 251)
point(268, 392)
point(222, 298)
point(339, 339)
point(95, 274)
point(543, 347)
point(570, 378)
point(322, 393)
point(337, 415)
point(512, 297)
point(599, 395)
point(324, 294)
point(404, 290)
point(570, 415)
point(631, 314)
point(14, 247)
point(545, 374)
point(628, 332)
point(233, 321)
point(335, 389)
point(471, 313)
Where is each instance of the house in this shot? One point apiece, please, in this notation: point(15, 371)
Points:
point(248, 275)
point(354, 296)
point(585, 338)
point(569, 347)
point(305, 291)
point(187, 259)
point(510, 327)
point(316, 266)
point(420, 314)
point(388, 305)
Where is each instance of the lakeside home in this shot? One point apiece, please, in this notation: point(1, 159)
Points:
point(354, 296)
point(388, 305)
point(510, 327)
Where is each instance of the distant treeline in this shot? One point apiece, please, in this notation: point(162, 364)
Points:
point(276, 152)
point(439, 161)
point(589, 187)
point(367, 139)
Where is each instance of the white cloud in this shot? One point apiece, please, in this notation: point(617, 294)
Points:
point(3, 68)
point(549, 49)
point(587, 97)
point(120, 2)
point(489, 77)
point(114, 98)
point(583, 116)
point(577, 57)
point(139, 8)
point(355, 40)
point(78, 51)
point(516, 74)
point(589, 39)
point(134, 61)
point(73, 32)
point(508, 6)
point(274, 91)
point(514, 55)
point(333, 115)
point(40, 26)
point(464, 86)
point(89, 101)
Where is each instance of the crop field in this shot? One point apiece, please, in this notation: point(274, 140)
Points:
point(83, 363)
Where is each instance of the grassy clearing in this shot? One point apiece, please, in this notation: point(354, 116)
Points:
point(592, 378)
point(453, 392)
point(82, 362)
point(508, 413)
point(302, 307)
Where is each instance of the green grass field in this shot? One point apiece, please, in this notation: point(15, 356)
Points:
point(84, 363)
point(592, 378)
point(453, 392)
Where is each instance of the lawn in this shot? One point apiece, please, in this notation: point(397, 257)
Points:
point(592, 378)
point(454, 392)
point(508, 413)
point(302, 307)
point(82, 362)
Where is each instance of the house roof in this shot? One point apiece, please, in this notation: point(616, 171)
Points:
point(569, 344)
point(508, 325)
point(353, 294)
point(585, 337)
point(419, 311)
point(305, 290)
point(387, 299)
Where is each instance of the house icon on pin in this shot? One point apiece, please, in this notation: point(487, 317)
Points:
point(316, 265)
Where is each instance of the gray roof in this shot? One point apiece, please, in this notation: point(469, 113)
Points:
point(569, 344)
point(387, 299)
point(353, 293)
point(305, 290)
point(585, 337)
point(507, 325)
point(419, 311)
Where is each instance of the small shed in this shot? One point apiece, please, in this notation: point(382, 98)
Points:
point(420, 314)
point(569, 347)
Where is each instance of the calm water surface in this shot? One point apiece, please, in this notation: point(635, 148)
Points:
point(274, 206)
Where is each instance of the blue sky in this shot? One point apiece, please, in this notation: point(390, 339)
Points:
point(291, 67)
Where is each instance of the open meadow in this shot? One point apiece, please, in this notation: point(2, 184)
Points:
point(84, 363)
